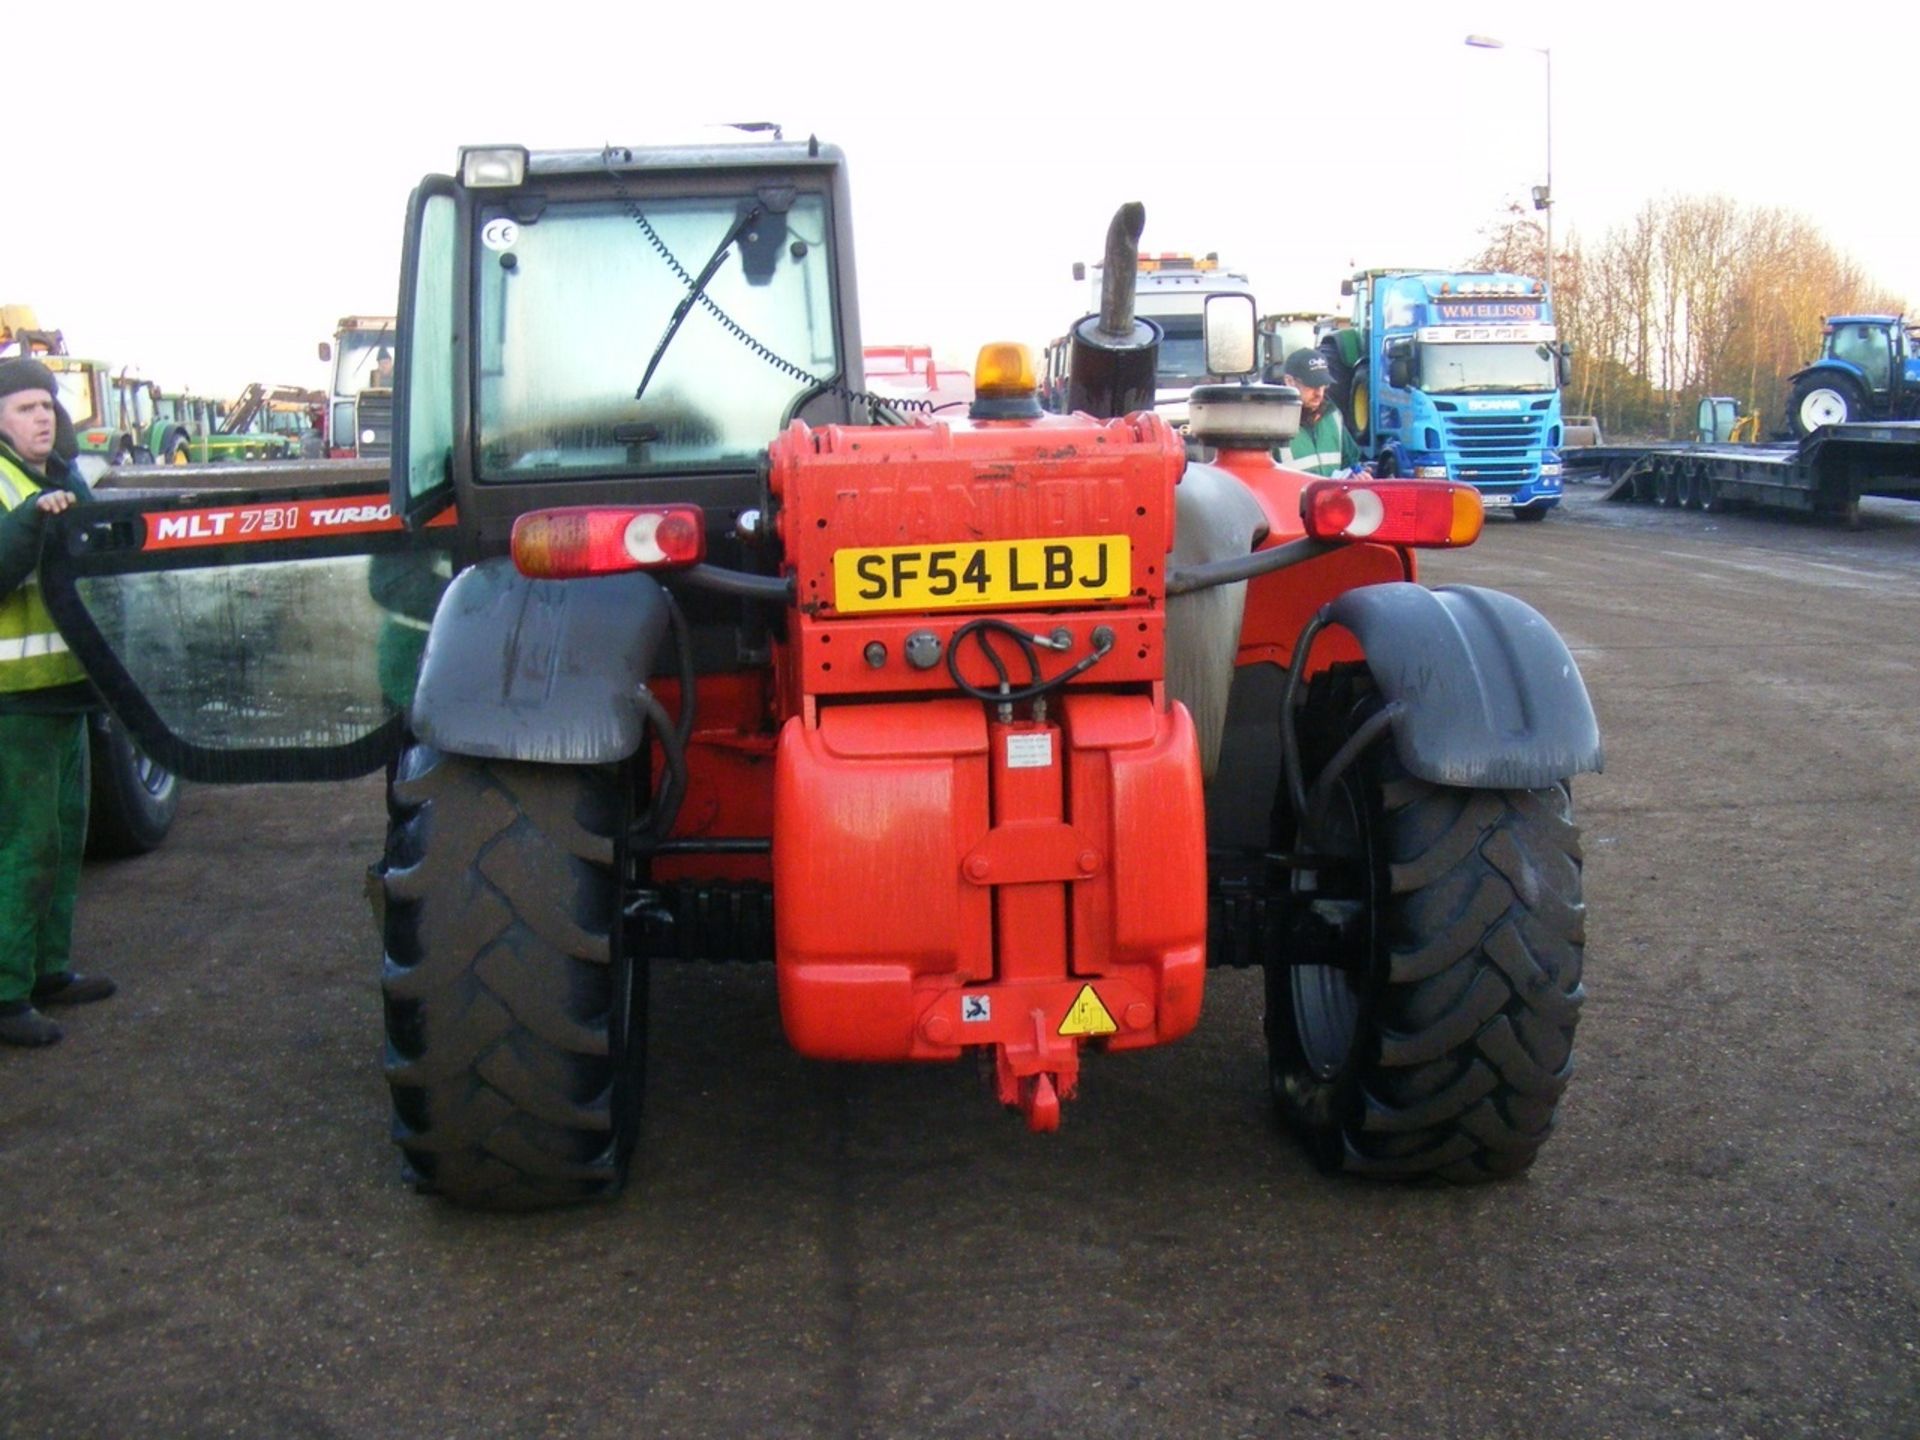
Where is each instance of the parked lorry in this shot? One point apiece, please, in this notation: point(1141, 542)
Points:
point(1869, 369)
point(360, 395)
point(991, 733)
point(1455, 375)
point(1172, 291)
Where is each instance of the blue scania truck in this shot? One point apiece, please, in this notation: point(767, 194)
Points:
point(1455, 375)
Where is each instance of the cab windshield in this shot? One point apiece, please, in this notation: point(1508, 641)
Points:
point(1183, 350)
point(76, 395)
point(574, 304)
point(357, 361)
point(1462, 368)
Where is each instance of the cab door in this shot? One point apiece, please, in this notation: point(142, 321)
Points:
point(258, 634)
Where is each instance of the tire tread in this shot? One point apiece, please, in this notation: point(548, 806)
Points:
point(500, 901)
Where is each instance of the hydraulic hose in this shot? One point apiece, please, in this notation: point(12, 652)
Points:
point(776, 588)
point(1182, 580)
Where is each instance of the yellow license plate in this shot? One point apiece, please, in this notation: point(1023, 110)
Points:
point(991, 572)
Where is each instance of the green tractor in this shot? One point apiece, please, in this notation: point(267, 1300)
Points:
point(113, 415)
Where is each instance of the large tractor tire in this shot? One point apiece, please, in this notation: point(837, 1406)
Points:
point(1438, 1037)
point(1358, 412)
point(515, 1013)
point(1822, 399)
point(131, 799)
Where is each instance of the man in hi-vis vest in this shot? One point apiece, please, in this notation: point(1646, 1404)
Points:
point(44, 699)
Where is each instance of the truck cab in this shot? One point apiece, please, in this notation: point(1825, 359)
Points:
point(1869, 369)
point(1457, 376)
point(360, 396)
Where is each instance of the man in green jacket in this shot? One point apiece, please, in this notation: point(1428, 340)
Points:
point(44, 699)
point(1323, 447)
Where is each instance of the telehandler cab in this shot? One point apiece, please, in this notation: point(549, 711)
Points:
point(991, 734)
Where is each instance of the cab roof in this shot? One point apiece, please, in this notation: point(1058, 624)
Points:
point(715, 155)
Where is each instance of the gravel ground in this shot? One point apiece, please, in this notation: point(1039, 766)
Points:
point(209, 1236)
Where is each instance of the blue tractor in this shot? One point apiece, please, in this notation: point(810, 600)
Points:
point(1869, 369)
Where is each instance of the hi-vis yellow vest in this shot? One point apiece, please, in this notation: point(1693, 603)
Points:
point(33, 656)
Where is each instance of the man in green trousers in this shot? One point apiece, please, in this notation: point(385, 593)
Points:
point(44, 700)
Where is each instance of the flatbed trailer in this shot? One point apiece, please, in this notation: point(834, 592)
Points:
point(1825, 474)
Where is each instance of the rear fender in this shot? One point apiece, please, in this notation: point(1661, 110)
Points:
point(1490, 693)
point(1833, 370)
point(543, 670)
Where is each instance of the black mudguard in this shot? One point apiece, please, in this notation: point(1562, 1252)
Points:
point(543, 670)
point(1492, 697)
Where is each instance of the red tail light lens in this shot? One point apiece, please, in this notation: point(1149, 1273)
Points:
point(604, 540)
point(1393, 512)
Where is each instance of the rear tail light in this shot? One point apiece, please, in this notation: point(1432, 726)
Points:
point(604, 540)
point(1393, 512)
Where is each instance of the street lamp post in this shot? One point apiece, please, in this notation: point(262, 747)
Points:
point(1542, 194)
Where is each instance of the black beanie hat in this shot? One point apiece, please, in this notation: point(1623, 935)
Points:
point(18, 375)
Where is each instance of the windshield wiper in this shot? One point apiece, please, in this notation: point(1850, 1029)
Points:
point(699, 287)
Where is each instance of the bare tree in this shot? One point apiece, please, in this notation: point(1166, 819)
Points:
point(1692, 296)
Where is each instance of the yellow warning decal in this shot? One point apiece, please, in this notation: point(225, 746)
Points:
point(1087, 1016)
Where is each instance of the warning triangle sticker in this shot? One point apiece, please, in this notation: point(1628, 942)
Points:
point(1087, 1016)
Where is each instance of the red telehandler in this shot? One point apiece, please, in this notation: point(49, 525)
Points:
point(991, 733)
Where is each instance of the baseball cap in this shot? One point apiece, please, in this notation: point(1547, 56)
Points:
point(1308, 367)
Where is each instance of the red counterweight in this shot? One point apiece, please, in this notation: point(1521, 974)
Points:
point(951, 869)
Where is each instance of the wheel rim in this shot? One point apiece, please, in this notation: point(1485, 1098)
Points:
point(154, 778)
point(1326, 1012)
point(1327, 1000)
point(1823, 407)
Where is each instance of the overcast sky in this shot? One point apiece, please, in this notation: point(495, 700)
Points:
point(203, 201)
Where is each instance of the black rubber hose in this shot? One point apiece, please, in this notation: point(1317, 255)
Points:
point(777, 588)
point(1245, 567)
point(658, 823)
point(683, 656)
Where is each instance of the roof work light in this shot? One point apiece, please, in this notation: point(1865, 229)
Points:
point(493, 166)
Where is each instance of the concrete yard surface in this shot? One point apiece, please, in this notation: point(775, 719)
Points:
point(207, 1234)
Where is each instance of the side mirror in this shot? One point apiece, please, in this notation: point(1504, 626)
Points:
point(1229, 322)
point(1400, 371)
point(1565, 366)
point(1079, 269)
point(1346, 287)
point(326, 351)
